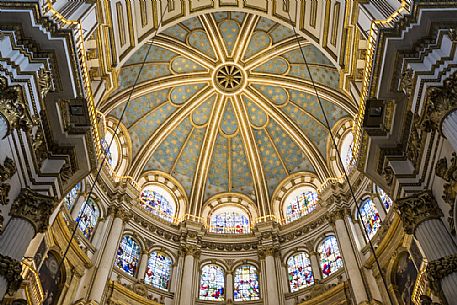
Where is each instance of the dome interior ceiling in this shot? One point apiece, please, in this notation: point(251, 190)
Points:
point(273, 114)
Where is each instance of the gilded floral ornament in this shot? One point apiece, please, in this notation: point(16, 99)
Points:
point(11, 270)
point(449, 174)
point(7, 170)
point(416, 209)
point(440, 101)
point(439, 269)
point(13, 108)
point(34, 207)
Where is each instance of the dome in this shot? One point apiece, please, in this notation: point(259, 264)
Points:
point(224, 104)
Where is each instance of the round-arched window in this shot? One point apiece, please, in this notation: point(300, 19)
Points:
point(346, 151)
point(369, 217)
point(229, 220)
point(300, 202)
point(158, 201)
point(299, 271)
point(246, 284)
point(212, 283)
point(330, 256)
point(128, 255)
point(158, 271)
point(111, 152)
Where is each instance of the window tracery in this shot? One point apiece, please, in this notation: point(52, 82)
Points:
point(128, 255)
point(212, 283)
point(246, 284)
point(299, 271)
point(158, 270)
point(299, 203)
point(88, 218)
point(370, 217)
point(72, 196)
point(330, 256)
point(159, 202)
point(229, 220)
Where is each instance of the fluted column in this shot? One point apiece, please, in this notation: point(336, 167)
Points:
point(143, 265)
point(421, 216)
point(187, 280)
point(314, 258)
point(30, 215)
point(449, 128)
point(272, 294)
point(350, 259)
point(109, 253)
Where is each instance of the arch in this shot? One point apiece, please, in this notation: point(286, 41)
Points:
point(88, 218)
point(240, 200)
point(158, 270)
point(341, 131)
point(159, 201)
point(369, 217)
point(128, 255)
point(288, 185)
point(212, 282)
point(246, 283)
point(123, 144)
point(229, 219)
point(299, 270)
point(170, 184)
point(330, 259)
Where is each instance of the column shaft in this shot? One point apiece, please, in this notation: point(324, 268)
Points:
point(315, 265)
point(272, 281)
point(186, 282)
point(229, 287)
point(449, 129)
point(143, 266)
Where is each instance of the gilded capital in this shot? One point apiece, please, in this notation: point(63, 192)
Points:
point(33, 207)
point(416, 209)
point(439, 269)
point(192, 250)
point(11, 270)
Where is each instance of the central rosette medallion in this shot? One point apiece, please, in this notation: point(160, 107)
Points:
point(229, 78)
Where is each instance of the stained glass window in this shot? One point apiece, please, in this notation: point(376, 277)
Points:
point(330, 256)
point(128, 255)
point(386, 200)
point(346, 151)
point(300, 272)
point(111, 152)
point(88, 217)
point(299, 203)
point(72, 195)
point(212, 283)
point(229, 220)
point(246, 284)
point(158, 271)
point(158, 202)
point(370, 217)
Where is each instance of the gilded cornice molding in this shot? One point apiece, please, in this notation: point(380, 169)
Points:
point(11, 270)
point(416, 209)
point(439, 269)
point(440, 101)
point(33, 207)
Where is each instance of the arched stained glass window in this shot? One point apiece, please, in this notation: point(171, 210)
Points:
point(111, 152)
point(300, 272)
point(299, 203)
point(88, 218)
point(128, 255)
point(229, 220)
point(346, 151)
point(212, 283)
point(72, 195)
point(330, 256)
point(158, 271)
point(246, 284)
point(385, 199)
point(158, 201)
point(370, 217)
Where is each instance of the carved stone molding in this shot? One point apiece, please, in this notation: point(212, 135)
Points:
point(34, 207)
point(11, 270)
point(338, 214)
point(12, 107)
point(439, 269)
point(192, 250)
point(416, 209)
point(440, 101)
point(7, 170)
point(271, 250)
point(448, 174)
